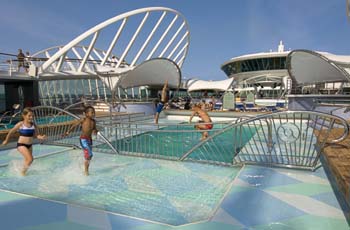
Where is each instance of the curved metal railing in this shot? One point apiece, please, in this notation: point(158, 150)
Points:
point(292, 139)
point(156, 32)
point(55, 122)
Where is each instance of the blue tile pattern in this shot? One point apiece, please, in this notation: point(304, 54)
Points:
point(256, 200)
point(155, 190)
point(255, 207)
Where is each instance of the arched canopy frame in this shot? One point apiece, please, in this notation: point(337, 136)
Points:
point(167, 38)
point(310, 67)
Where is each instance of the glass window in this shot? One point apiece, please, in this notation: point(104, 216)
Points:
point(258, 64)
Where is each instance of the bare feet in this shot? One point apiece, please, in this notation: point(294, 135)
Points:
point(86, 173)
point(24, 171)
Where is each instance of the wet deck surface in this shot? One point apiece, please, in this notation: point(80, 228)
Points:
point(337, 157)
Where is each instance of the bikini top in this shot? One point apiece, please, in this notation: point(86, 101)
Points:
point(27, 131)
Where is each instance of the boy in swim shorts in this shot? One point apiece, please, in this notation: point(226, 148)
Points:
point(88, 127)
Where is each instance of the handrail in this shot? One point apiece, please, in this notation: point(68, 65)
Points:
point(5, 115)
point(56, 129)
point(45, 59)
point(109, 104)
point(284, 139)
point(269, 117)
point(8, 62)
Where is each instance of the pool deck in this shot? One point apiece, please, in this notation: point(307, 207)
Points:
point(259, 198)
point(337, 158)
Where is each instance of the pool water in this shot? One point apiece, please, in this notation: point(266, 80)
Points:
point(53, 119)
point(169, 192)
point(39, 121)
point(175, 144)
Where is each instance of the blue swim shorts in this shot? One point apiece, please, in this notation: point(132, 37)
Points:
point(160, 107)
point(86, 144)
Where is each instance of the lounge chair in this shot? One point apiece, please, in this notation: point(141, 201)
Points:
point(280, 104)
point(218, 106)
point(240, 107)
point(250, 106)
point(271, 108)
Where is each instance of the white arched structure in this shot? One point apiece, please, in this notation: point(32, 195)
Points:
point(152, 73)
point(310, 67)
point(149, 45)
point(70, 66)
point(133, 37)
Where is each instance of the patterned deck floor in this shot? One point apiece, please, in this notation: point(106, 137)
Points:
point(260, 198)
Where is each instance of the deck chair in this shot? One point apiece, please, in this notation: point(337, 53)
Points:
point(271, 108)
point(280, 104)
point(240, 107)
point(217, 106)
point(250, 106)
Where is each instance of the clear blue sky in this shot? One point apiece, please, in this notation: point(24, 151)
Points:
point(220, 29)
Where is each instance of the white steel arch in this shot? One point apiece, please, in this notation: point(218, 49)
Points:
point(156, 32)
point(72, 61)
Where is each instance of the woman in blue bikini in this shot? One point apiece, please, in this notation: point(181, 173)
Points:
point(27, 131)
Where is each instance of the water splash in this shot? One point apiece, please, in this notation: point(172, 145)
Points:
point(60, 178)
point(15, 168)
point(13, 153)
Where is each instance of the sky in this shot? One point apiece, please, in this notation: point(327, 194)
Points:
point(219, 30)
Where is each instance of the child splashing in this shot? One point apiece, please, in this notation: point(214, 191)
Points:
point(88, 127)
point(27, 131)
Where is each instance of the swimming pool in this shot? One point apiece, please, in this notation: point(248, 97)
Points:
point(11, 122)
point(168, 143)
point(156, 190)
point(177, 193)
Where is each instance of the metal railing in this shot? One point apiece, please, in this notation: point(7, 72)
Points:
point(146, 139)
point(292, 139)
point(108, 117)
point(9, 63)
point(55, 122)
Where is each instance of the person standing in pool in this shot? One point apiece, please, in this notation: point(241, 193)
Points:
point(163, 101)
point(27, 131)
point(88, 127)
point(204, 119)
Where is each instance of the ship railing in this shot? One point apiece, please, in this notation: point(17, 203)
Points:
point(55, 122)
point(291, 139)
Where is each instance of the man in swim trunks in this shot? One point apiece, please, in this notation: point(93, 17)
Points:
point(163, 101)
point(88, 127)
point(204, 119)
